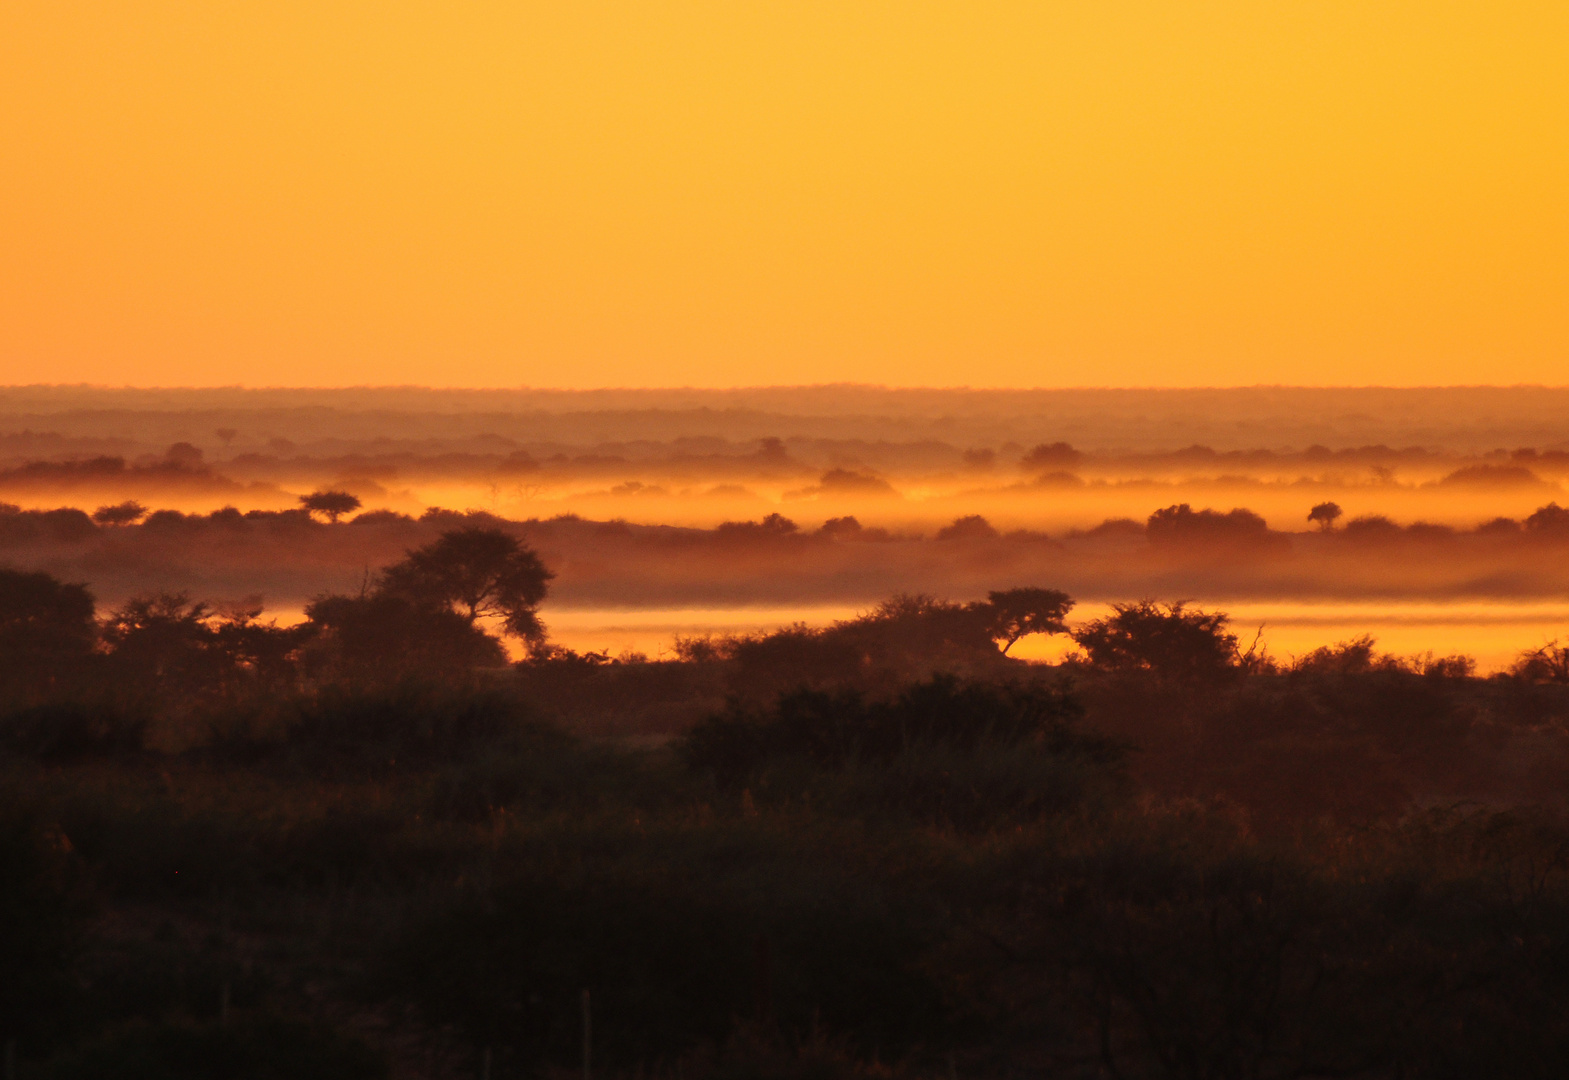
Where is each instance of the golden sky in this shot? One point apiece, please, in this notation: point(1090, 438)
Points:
point(724, 192)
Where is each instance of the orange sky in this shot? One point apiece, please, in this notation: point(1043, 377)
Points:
point(729, 192)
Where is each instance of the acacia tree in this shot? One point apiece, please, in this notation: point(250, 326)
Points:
point(332, 503)
point(478, 573)
point(1326, 514)
point(1019, 612)
point(126, 513)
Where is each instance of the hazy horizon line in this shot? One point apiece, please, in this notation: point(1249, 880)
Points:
point(753, 387)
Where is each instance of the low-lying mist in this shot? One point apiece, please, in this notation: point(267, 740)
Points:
point(912, 460)
point(751, 508)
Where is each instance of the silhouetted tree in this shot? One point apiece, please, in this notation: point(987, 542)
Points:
point(1352, 657)
point(263, 653)
point(969, 527)
point(1326, 514)
point(1168, 639)
point(183, 455)
point(917, 625)
point(905, 636)
point(1057, 455)
point(334, 504)
point(1371, 527)
point(1549, 518)
point(383, 637)
point(170, 645)
point(1019, 612)
point(163, 640)
point(838, 527)
point(46, 629)
point(772, 450)
point(125, 513)
point(479, 573)
point(848, 528)
point(1181, 524)
point(771, 527)
point(1550, 663)
point(851, 482)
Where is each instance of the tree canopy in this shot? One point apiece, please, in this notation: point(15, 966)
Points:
point(1017, 613)
point(479, 573)
point(1181, 524)
point(383, 637)
point(334, 504)
point(45, 625)
point(126, 513)
point(1168, 639)
point(1325, 514)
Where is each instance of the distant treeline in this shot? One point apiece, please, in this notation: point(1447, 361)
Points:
point(289, 556)
point(811, 464)
point(1176, 524)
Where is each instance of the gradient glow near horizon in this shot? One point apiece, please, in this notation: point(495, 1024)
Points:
point(729, 193)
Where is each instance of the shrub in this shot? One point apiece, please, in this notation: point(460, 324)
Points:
point(65, 731)
point(963, 754)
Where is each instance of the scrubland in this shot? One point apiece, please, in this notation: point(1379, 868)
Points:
point(308, 789)
point(877, 848)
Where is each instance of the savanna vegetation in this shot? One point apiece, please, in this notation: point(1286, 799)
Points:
point(367, 845)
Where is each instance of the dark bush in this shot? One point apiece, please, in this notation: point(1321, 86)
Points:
point(963, 754)
point(834, 730)
point(66, 731)
point(412, 724)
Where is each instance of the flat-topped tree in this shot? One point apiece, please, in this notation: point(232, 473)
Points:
point(334, 504)
point(1325, 514)
point(1018, 613)
point(126, 513)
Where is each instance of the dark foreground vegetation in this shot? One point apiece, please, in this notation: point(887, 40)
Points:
point(367, 847)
